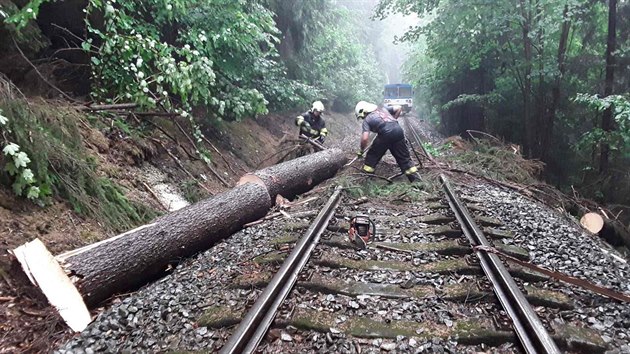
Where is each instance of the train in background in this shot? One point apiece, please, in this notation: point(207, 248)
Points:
point(398, 95)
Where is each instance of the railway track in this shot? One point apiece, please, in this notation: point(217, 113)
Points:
point(419, 286)
point(533, 336)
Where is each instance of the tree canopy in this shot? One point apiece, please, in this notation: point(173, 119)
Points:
point(530, 71)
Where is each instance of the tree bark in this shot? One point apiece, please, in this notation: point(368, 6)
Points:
point(547, 134)
point(127, 261)
point(299, 175)
point(527, 80)
point(607, 120)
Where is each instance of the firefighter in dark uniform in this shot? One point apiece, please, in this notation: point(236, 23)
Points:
point(390, 137)
point(312, 124)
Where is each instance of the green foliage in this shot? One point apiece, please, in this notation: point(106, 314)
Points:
point(379, 189)
point(497, 162)
point(194, 52)
point(506, 60)
point(436, 151)
point(331, 51)
point(54, 153)
point(618, 139)
point(480, 100)
point(178, 54)
point(24, 181)
point(22, 18)
point(344, 67)
point(191, 191)
point(222, 54)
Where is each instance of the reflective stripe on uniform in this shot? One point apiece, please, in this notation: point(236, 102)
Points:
point(323, 132)
point(368, 169)
point(411, 170)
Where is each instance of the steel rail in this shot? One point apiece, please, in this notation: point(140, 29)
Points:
point(528, 327)
point(416, 136)
point(254, 326)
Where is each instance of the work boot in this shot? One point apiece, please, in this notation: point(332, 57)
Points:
point(414, 177)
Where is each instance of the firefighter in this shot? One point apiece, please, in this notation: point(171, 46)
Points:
point(312, 124)
point(390, 137)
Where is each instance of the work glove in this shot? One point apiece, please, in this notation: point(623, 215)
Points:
point(314, 132)
point(360, 154)
point(306, 127)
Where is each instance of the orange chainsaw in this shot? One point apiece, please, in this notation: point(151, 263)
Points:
point(361, 229)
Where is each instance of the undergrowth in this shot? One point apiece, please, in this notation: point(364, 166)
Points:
point(499, 162)
point(50, 136)
point(191, 191)
point(373, 188)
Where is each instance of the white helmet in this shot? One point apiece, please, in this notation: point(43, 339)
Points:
point(317, 106)
point(363, 108)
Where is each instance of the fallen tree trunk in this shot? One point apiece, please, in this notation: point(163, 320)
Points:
point(610, 230)
point(129, 260)
point(299, 175)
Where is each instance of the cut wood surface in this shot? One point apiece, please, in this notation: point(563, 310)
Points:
point(299, 175)
point(130, 260)
point(593, 222)
point(610, 230)
point(44, 272)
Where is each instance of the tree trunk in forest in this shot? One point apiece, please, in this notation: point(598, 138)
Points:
point(539, 119)
point(607, 120)
point(547, 133)
point(129, 260)
point(527, 80)
point(299, 175)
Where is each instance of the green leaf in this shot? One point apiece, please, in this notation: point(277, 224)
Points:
point(33, 192)
point(18, 187)
point(27, 175)
point(10, 168)
point(21, 159)
point(11, 149)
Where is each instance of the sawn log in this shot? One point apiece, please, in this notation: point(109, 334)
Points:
point(610, 230)
point(299, 175)
point(129, 260)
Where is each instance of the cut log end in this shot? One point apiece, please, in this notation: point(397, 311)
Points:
point(44, 272)
point(251, 178)
point(593, 222)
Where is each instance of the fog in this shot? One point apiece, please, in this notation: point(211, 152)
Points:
point(383, 35)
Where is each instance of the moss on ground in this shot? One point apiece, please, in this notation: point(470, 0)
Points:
point(466, 332)
point(219, 316)
point(51, 137)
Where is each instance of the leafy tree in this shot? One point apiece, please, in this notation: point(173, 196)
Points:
point(516, 67)
point(177, 54)
point(344, 67)
point(328, 48)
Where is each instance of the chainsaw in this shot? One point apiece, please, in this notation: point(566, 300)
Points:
point(360, 231)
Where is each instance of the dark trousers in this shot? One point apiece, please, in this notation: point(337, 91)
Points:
point(394, 141)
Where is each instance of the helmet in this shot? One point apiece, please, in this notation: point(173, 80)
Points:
point(363, 108)
point(317, 106)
